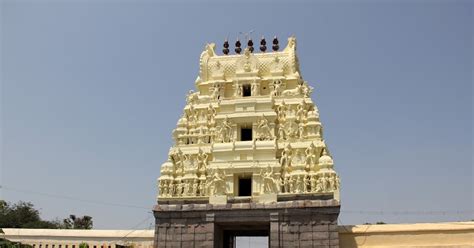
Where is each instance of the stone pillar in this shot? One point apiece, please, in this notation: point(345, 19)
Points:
point(210, 231)
point(274, 230)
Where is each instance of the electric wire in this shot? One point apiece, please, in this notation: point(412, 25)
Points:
point(359, 212)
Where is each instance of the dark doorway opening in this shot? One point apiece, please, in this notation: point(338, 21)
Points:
point(245, 134)
point(239, 234)
point(245, 186)
point(246, 90)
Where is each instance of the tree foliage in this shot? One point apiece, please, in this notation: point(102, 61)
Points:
point(74, 222)
point(24, 215)
point(8, 244)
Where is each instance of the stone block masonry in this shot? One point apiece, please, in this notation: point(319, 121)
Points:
point(304, 223)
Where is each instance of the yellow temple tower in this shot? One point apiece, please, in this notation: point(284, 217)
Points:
point(249, 141)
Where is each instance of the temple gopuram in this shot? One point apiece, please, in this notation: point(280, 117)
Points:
point(249, 157)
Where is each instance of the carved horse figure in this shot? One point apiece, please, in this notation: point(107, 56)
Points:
point(293, 92)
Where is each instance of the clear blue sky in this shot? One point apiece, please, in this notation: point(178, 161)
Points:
point(91, 91)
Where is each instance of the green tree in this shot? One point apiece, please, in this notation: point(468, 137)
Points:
point(24, 215)
point(83, 245)
point(74, 222)
point(8, 244)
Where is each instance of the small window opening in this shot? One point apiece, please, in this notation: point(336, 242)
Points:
point(245, 186)
point(245, 134)
point(246, 90)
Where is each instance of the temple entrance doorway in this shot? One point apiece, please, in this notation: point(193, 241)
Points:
point(244, 235)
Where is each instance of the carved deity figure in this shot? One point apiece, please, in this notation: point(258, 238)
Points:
point(298, 184)
point(202, 188)
point(238, 90)
point(306, 89)
point(281, 132)
point(225, 131)
point(217, 183)
point(195, 187)
point(215, 93)
point(166, 188)
point(276, 88)
point(318, 131)
point(281, 112)
point(161, 186)
point(192, 115)
point(188, 161)
point(187, 186)
point(285, 159)
point(191, 97)
point(292, 130)
point(301, 129)
point(313, 182)
point(255, 89)
point(332, 183)
point(324, 184)
point(177, 158)
point(210, 114)
point(201, 135)
point(319, 185)
point(298, 158)
point(286, 184)
point(281, 185)
point(306, 184)
point(202, 161)
point(311, 158)
point(268, 180)
point(173, 190)
point(301, 112)
point(179, 188)
point(263, 130)
point(201, 114)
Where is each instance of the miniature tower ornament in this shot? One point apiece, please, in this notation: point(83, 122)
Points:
point(250, 134)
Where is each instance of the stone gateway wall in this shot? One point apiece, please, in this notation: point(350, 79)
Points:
point(446, 235)
point(299, 223)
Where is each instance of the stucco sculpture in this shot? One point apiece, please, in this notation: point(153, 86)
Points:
point(251, 116)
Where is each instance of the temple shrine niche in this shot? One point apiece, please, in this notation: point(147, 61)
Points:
point(249, 157)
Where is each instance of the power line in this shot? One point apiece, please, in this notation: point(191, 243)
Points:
point(361, 212)
point(134, 228)
point(72, 198)
point(444, 212)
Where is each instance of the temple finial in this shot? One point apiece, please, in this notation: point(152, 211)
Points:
point(275, 46)
point(238, 49)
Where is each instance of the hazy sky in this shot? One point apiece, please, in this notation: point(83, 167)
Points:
point(91, 91)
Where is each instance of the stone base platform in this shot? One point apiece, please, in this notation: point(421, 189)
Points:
point(298, 223)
